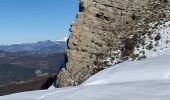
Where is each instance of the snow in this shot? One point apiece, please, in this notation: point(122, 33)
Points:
point(156, 42)
point(130, 71)
point(147, 79)
point(64, 39)
point(51, 87)
point(160, 47)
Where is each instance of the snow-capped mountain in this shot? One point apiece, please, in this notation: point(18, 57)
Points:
point(44, 47)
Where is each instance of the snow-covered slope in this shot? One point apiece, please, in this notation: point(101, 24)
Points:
point(148, 79)
point(156, 41)
point(147, 69)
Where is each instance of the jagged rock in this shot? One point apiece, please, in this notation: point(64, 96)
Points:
point(103, 26)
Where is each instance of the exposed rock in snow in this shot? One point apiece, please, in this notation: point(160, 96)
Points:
point(156, 42)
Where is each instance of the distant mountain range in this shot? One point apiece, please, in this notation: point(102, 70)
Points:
point(21, 61)
point(41, 47)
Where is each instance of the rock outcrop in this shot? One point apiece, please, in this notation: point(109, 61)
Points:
point(104, 26)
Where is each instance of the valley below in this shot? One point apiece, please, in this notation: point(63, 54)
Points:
point(17, 63)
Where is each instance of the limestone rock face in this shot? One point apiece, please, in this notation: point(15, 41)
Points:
point(103, 26)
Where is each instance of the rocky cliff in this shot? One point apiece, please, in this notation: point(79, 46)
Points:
point(107, 31)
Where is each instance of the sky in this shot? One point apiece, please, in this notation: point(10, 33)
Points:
point(28, 21)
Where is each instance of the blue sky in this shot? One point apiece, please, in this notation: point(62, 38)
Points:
point(25, 21)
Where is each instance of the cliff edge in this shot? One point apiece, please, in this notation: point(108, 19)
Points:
point(108, 29)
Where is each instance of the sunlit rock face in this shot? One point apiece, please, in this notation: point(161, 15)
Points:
point(108, 29)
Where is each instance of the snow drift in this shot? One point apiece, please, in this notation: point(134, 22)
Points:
point(150, 69)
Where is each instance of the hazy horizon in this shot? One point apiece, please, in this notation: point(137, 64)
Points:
point(63, 39)
point(29, 21)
